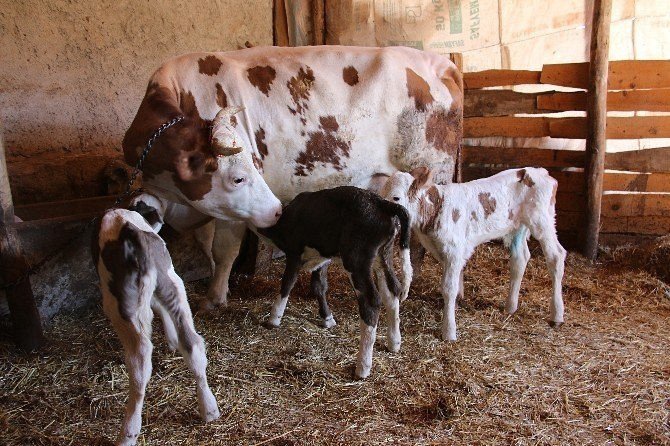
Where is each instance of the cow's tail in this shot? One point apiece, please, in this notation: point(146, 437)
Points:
point(406, 264)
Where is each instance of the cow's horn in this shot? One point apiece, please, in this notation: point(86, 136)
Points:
point(223, 116)
point(221, 150)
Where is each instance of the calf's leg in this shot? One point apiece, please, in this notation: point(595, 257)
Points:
point(519, 256)
point(450, 287)
point(293, 263)
point(191, 345)
point(545, 233)
point(319, 287)
point(368, 307)
point(389, 288)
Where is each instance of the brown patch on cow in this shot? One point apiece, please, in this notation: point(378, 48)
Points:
point(444, 130)
point(183, 149)
point(299, 86)
point(488, 203)
point(524, 178)
point(209, 65)
point(260, 142)
point(418, 89)
point(221, 99)
point(350, 75)
point(455, 215)
point(258, 163)
point(329, 123)
point(233, 120)
point(473, 216)
point(430, 208)
point(261, 78)
point(323, 146)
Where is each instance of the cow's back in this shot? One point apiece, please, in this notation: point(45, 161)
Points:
point(318, 117)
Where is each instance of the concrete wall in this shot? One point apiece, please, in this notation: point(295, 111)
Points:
point(73, 72)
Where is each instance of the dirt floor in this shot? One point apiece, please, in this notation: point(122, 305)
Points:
point(602, 378)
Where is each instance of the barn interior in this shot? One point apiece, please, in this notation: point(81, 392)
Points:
point(72, 76)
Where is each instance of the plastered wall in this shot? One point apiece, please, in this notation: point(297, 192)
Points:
point(72, 73)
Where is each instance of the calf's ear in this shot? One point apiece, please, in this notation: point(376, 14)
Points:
point(423, 176)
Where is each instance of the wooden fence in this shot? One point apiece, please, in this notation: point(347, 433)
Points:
point(636, 197)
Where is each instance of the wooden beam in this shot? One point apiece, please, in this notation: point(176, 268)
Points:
point(318, 22)
point(280, 24)
point(636, 182)
point(622, 74)
point(636, 205)
point(505, 126)
point(633, 127)
point(645, 160)
point(596, 138)
point(522, 157)
point(498, 78)
point(482, 103)
point(27, 326)
point(627, 100)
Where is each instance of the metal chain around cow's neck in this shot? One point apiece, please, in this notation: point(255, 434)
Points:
point(138, 168)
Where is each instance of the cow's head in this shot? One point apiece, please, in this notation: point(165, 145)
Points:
point(216, 176)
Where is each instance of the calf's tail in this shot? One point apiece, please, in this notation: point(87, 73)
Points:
point(406, 264)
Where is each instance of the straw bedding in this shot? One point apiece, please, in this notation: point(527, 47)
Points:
point(604, 377)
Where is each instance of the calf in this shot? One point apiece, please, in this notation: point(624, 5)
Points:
point(452, 220)
point(358, 227)
point(136, 277)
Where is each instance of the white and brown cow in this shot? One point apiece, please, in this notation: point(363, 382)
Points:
point(451, 220)
point(313, 118)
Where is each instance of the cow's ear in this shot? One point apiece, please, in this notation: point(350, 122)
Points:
point(423, 176)
point(189, 165)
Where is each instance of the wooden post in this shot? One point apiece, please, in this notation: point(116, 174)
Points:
point(596, 111)
point(319, 22)
point(26, 321)
point(457, 59)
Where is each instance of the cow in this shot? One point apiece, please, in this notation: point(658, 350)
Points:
point(358, 227)
point(313, 118)
point(451, 220)
point(137, 278)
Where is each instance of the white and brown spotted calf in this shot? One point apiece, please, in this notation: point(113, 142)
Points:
point(137, 279)
point(452, 220)
point(313, 118)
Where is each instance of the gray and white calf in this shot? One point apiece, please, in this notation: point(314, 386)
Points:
point(452, 220)
point(358, 227)
point(137, 279)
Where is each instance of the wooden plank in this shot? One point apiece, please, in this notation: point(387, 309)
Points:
point(627, 100)
point(645, 160)
point(498, 78)
point(636, 205)
point(505, 126)
point(636, 182)
point(499, 103)
point(622, 74)
point(522, 157)
point(318, 22)
point(54, 209)
point(634, 127)
point(26, 322)
point(637, 225)
point(569, 201)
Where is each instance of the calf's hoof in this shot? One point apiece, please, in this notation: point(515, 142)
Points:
point(555, 324)
point(211, 415)
point(451, 337)
point(127, 440)
point(362, 372)
point(510, 309)
point(393, 346)
point(328, 322)
point(272, 323)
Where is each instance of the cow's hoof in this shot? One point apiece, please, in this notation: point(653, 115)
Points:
point(555, 324)
point(328, 322)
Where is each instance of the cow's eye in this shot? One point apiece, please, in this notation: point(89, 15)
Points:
point(396, 198)
point(238, 180)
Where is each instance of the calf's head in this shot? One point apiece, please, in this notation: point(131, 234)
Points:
point(407, 188)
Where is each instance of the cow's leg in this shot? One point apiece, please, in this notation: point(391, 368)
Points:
point(555, 258)
point(227, 240)
point(135, 336)
point(368, 307)
point(519, 256)
point(291, 271)
point(204, 235)
point(191, 345)
point(450, 286)
point(319, 287)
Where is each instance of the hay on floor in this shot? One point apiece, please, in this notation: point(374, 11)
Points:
point(603, 377)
